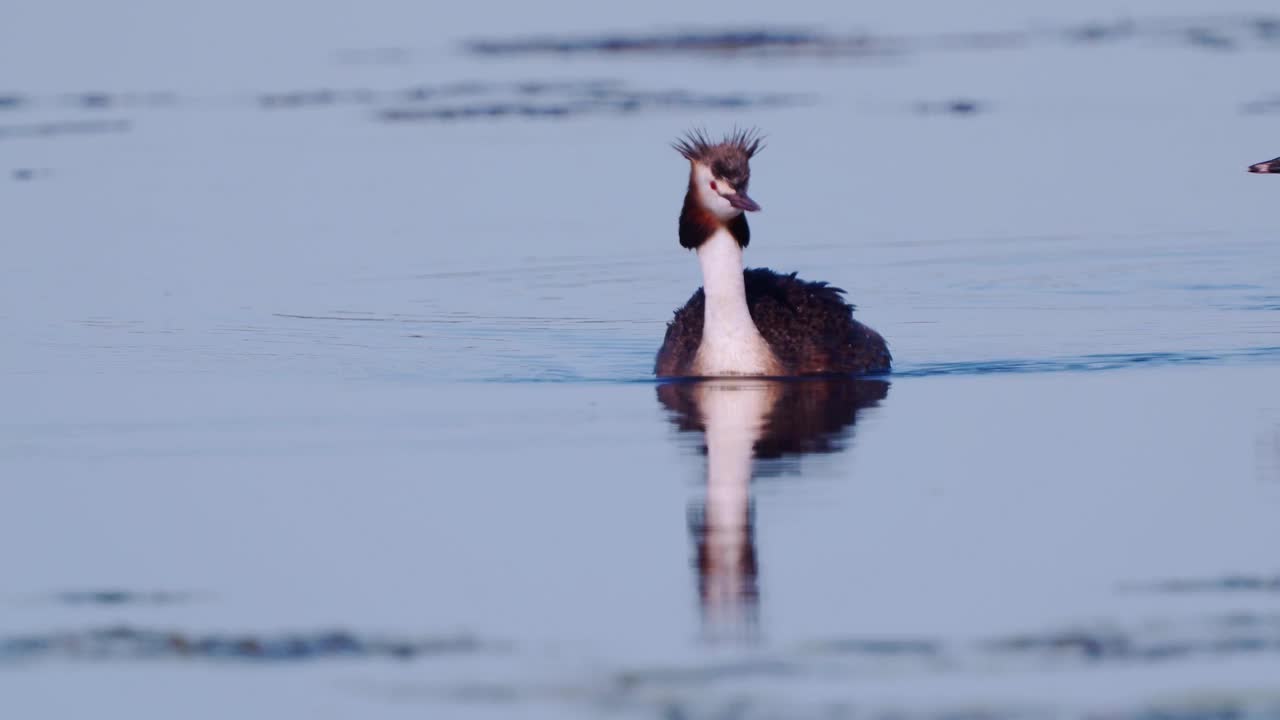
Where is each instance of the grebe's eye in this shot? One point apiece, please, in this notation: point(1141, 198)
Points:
point(713, 186)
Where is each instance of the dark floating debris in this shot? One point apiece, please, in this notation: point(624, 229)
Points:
point(1217, 33)
point(129, 643)
point(71, 127)
point(10, 102)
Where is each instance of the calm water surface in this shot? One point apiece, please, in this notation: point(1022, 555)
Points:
point(326, 368)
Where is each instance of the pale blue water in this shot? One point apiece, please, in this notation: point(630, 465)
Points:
point(312, 409)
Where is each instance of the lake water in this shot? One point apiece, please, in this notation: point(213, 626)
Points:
point(328, 338)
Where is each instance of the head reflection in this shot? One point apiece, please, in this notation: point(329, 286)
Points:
point(744, 421)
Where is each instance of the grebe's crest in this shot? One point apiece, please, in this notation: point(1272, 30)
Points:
point(728, 159)
point(695, 145)
point(721, 171)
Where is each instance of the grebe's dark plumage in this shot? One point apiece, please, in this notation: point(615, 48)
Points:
point(808, 325)
point(768, 323)
point(1270, 166)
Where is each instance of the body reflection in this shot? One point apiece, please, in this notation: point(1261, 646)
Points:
point(745, 420)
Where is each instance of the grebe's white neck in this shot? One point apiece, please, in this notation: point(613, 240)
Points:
point(731, 343)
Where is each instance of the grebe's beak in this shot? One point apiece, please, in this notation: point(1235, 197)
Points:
point(1270, 166)
point(742, 202)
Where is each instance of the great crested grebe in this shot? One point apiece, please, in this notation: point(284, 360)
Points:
point(754, 322)
point(1270, 166)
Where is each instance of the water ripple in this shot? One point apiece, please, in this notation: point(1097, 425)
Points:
point(134, 643)
point(1089, 363)
point(1217, 33)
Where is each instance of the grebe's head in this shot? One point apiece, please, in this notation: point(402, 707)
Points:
point(1270, 166)
point(720, 172)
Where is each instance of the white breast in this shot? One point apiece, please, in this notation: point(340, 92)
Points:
point(731, 343)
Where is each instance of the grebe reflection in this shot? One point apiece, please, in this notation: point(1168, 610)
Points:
point(745, 420)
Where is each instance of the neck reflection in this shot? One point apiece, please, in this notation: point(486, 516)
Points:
point(745, 421)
